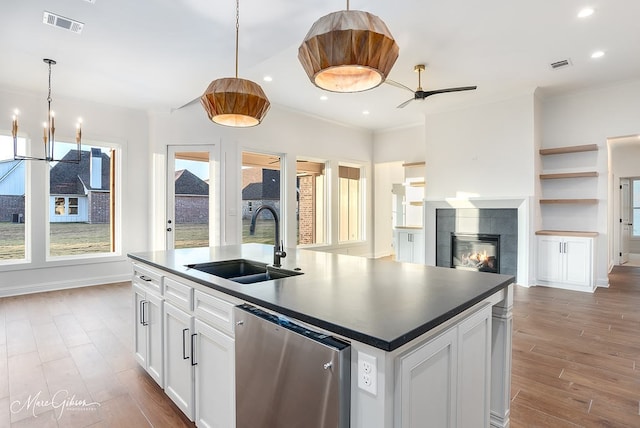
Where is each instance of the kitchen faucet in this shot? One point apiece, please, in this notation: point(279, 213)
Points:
point(278, 248)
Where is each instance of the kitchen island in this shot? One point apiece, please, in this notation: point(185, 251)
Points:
point(440, 339)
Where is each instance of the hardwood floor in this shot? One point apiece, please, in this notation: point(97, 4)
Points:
point(576, 355)
point(66, 360)
point(574, 359)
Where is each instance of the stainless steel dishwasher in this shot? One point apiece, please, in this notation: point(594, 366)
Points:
point(287, 375)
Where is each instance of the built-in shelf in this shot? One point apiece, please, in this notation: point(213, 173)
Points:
point(569, 201)
point(413, 164)
point(569, 175)
point(416, 203)
point(569, 149)
point(416, 183)
point(567, 233)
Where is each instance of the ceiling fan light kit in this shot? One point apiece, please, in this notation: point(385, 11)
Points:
point(348, 51)
point(235, 102)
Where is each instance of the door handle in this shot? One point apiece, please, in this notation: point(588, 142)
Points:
point(193, 350)
point(168, 229)
point(184, 345)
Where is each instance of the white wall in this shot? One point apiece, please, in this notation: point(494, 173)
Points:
point(399, 144)
point(119, 126)
point(484, 151)
point(590, 117)
point(282, 132)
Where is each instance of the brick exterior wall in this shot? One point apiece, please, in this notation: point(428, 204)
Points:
point(192, 209)
point(98, 207)
point(9, 205)
point(248, 207)
point(306, 210)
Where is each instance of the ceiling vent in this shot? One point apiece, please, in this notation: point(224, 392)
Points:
point(62, 22)
point(560, 64)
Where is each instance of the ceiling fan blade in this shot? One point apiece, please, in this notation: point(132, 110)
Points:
point(398, 85)
point(193, 101)
point(442, 91)
point(405, 103)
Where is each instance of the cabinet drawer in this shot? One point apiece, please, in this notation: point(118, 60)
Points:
point(148, 278)
point(179, 294)
point(214, 311)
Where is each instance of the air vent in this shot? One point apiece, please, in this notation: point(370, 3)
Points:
point(561, 64)
point(62, 22)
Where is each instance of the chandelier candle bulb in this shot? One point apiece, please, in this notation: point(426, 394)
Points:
point(79, 131)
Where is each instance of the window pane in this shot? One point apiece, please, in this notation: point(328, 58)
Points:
point(59, 206)
point(310, 179)
point(85, 190)
point(260, 187)
point(191, 193)
point(350, 204)
point(12, 201)
point(636, 208)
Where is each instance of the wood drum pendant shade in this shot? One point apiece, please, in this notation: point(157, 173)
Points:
point(232, 101)
point(235, 102)
point(348, 51)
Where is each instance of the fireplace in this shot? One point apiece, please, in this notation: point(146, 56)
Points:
point(478, 252)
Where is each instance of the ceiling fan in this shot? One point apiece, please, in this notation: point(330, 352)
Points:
point(419, 94)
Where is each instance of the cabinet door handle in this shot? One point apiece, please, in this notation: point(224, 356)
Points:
point(184, 344)
point(145, 278)
point(141, 312)
point(193, 350)
point(560, 245)
point(145, 321)
point(565, 248)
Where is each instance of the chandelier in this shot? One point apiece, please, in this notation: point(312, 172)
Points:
point(48, 132)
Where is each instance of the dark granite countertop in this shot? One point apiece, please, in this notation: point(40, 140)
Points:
point(382, 303)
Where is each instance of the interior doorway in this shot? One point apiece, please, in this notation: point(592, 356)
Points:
point(624, 208)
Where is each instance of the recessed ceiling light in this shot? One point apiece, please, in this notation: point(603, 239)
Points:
point(587, 11)
point(324, 98)
point(365, 112)
point(597, 54)
point(267, 78)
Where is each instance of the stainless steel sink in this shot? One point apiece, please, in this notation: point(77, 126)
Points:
point(243, 271)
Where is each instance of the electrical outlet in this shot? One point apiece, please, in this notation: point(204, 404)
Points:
point(367, 373)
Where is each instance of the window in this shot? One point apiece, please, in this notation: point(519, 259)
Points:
point(636, 207)
point(12, 201)
point(311, 201)
point(82, 201)
point(260, 187)
point(350, 204)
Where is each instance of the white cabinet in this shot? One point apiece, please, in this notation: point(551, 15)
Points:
point(148, 329)
point(409, 245)
point(178, 356)
point(214, 377)
point(446, 380)
point(566, 261)
point(184, 339)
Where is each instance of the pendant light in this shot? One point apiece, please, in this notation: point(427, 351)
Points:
point(348, 51)
point(232, 101)
point(48, 132)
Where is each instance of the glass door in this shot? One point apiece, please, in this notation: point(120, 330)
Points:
point(191, 190)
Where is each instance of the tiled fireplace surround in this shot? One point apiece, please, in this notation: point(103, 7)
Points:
point(505, 217)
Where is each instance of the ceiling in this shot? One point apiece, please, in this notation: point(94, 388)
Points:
point(158, 55)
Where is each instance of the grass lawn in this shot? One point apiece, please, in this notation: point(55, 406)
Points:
point(82, 238)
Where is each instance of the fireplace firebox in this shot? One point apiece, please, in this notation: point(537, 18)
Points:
point(477, 252)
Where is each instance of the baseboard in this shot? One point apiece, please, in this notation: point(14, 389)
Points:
point(568, 287)
point(61, 285)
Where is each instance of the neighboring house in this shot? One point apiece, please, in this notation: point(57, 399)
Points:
point(80, 192)
point(12, 190)
point(266, 192)
point(191, 198)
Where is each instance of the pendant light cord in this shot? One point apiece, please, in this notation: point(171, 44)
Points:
point(347, 4)
point(237, 32)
